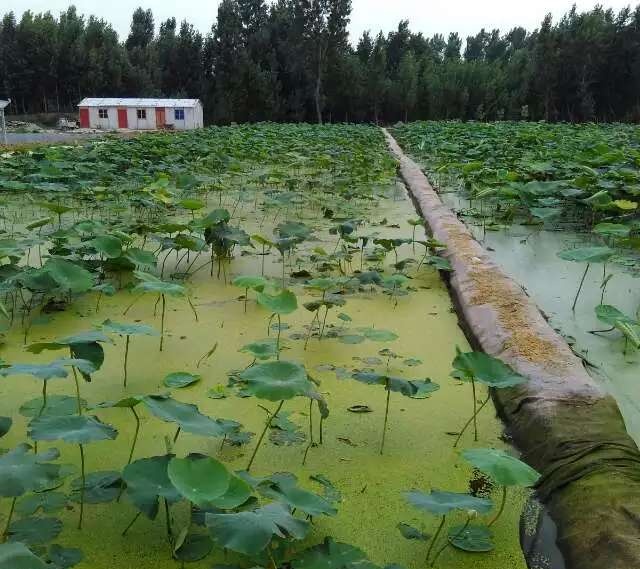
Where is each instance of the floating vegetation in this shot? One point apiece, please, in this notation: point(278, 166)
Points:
point(189, 308)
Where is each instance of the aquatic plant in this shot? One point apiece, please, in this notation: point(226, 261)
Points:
point(478, 367)
point(415, 389)
point(441, 504)
point(276, 381)
point(127, 330)
point(505, 469)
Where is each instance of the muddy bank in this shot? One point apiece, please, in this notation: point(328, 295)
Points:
point(565, 425)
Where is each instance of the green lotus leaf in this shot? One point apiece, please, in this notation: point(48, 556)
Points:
point(5, 425)
point(324, 284)
point(587, 254)
point(23, 471)
point(283, 303)
point(35, 531)
point(262, 350)
point(148, 480)
point(277, 381)
point(612, 316)
point(65, 557)
point(332, 555)
point(128, 329)
point(141, 258)
point(377, 335)
point(186, 415)
point(486, 369)
point(473, 538)
point(612, 230)
point(78, 429)
point(69, 276)
point(53, 370)
point(108, 245)
point(152, 284)
point(199, 479)
point(251, 532)
point(192, 547)
point(505, 469)
point(352, 339)
point(253, 282)
point(48, 502)
point(56, 405)
point(441, 503)
point(18, 556)
point(237, 494)
point(180, 379)
point(99, 487)
point(283, 487)
point(411, 533)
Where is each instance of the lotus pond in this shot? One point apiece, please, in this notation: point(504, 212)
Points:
point(233, 347)
point(556, 200)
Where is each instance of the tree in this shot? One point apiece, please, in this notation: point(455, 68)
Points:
point(408, 82)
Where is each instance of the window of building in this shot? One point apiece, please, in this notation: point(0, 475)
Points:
point(142, 114)
point(103, 114)
point(179, 114)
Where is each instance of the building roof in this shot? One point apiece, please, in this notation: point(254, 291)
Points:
point(116, 102)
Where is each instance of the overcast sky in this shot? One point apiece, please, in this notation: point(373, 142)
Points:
point(426, 16)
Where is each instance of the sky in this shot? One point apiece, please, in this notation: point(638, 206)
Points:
point(427, 16)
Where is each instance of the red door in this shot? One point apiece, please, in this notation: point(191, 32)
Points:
point(123, 121)
point(160, 118)
point(84, 118)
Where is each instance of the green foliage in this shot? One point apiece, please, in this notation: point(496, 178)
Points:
point(277, 381)
point(440, 503)
point(505, 469)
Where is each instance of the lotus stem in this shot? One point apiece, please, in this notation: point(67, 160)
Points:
point(502, 505)
point(306, 451)
point(447, 544)
point(283, 274)
point(475, 409)
point(175, 437)
point(264, 432)
point(164, 303)
point(324, 322)
point(132, 303)
point(435, 538)
point(5, 533)
point(386, 416)
point(278, 338)
point(126, 358)
point(310, 331)
point(83, 475)
point(584, 276)
point(246, 297)
point(193, 308)
point(468, 423)
point(135, 435)
point(78, 400)
point(133, 521)
point(44, 399)
point(167, 514)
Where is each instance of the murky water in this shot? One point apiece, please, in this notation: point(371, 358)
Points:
point(419, 451)
point(529, 255)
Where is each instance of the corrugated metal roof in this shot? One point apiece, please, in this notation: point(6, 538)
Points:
point(115, 102)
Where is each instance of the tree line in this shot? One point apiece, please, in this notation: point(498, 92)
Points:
point(292, 60)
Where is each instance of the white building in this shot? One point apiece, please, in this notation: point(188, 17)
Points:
point(140, 114)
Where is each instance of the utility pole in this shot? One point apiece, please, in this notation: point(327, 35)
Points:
point(3, 126)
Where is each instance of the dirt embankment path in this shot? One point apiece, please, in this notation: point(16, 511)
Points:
point(565, 426)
